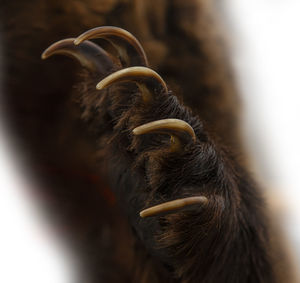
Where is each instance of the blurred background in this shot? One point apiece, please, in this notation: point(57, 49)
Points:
point(266, 44)
point(265, 54)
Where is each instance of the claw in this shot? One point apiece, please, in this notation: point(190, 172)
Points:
point(144, 77)
point(89, 55)
point(130, 50)
point(173, 127)
point(171, 206)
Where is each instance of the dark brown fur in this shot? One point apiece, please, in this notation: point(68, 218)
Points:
point(96, 188)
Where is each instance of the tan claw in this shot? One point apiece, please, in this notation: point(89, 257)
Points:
point(129, 48)
point(145, 78)
point(171, 206)
point(173, 127)
point(89, 55)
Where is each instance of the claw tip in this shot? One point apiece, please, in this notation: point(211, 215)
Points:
point(44, 56)
point(77, 41)
point(99, 86)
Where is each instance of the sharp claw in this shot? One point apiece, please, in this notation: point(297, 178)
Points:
point(129, 48)
point(144, 77)
point(89, 55)
point(173, 127)
point(172, 206)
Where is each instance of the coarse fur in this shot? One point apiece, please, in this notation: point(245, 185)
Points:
point(97, 176)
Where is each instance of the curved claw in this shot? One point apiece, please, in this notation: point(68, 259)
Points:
point(172, 206)
point(88, 54)
point(129, 48)
point(144, 77)
point(173, 127)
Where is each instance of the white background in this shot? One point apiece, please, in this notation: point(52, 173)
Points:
point(267, 59)
point(266, 54)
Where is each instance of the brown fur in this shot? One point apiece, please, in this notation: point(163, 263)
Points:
point(65, 144)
